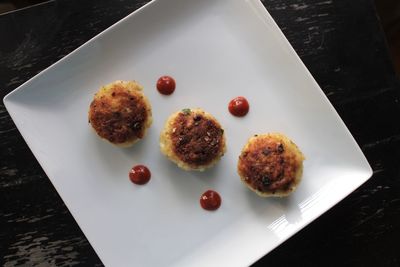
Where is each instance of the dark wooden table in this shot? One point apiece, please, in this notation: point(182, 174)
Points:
point(341, 43)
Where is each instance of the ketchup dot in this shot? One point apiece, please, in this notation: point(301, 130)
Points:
point(166, 85)
point(140, 175)
point(210, 200)
point(239, 106)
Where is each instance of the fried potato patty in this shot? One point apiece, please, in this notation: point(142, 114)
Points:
point(271, 165)
point(120, 113)
point(193, 139)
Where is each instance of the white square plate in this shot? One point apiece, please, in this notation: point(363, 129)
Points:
point(216, 50)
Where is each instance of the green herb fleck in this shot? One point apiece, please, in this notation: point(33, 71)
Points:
point(265, 180)
point(186, 111)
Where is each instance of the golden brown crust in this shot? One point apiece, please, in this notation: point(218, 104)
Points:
point(120, 113)
point(193, 139)
point(271, 165)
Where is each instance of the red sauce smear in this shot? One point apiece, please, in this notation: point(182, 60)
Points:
point(166, 85)
point(210, 200)
point(239, 106)
point(139, 174)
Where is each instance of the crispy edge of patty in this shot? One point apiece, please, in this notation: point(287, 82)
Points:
point(107, 93)
point(289, 148)
point(167, 144)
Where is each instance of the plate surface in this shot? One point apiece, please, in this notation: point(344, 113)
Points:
point(215, 50)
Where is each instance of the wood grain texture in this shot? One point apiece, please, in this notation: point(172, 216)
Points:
point(341, 43)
